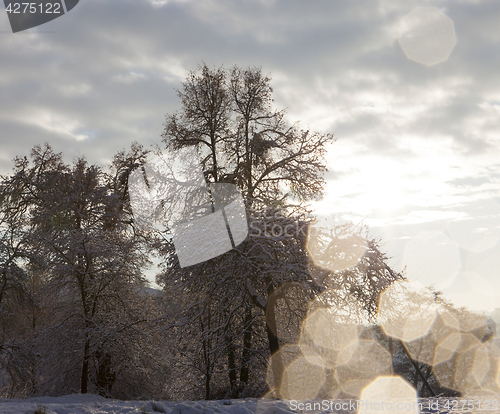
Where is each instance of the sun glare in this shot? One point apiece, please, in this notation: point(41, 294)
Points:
point(415, 187)
point(375, 191)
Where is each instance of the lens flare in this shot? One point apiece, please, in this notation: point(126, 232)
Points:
point(405, 314)
point(389, 394)
point(335, 247)
point(427, 35)
point(368, 361)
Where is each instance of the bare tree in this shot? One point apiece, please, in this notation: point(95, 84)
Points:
point(21, 299)
point(91, 266)
point(229, 116)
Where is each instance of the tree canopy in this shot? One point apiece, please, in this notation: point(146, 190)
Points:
point(229, 116)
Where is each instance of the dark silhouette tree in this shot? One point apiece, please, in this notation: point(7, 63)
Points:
point(229, 116)
point(89, 260)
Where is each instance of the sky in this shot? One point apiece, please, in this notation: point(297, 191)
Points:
point(410, 90)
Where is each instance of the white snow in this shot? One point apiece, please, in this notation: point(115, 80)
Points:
point(95, 404)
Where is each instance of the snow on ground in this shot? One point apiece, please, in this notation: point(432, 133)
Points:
point(94, 404)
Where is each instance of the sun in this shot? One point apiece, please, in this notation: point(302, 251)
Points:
point(374, 190)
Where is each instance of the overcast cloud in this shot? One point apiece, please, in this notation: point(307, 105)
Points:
point(417, 156)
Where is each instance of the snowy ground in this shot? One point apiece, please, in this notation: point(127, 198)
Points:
point(94, 404)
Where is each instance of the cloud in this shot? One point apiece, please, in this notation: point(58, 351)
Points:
point(424, 138)
point(109, 70)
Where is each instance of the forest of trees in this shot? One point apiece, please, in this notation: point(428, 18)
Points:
point(78, 315)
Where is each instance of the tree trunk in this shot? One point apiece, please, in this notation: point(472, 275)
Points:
point(417, 369)
point(271, 329)
point(207, 386)
point(85, 366)
point(231, 361)
point(247, 347)
point(272, 335)
point(206, 354)
point(392, 354)
point(105, 375)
